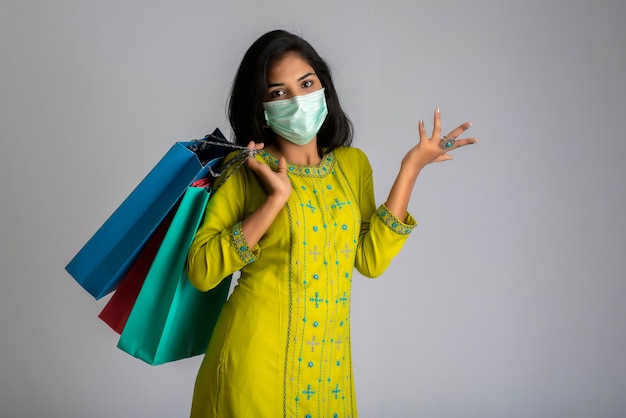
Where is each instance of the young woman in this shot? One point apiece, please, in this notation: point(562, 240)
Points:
point(296, 221)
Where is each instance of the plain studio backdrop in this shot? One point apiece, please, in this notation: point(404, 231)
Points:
point(508, 299)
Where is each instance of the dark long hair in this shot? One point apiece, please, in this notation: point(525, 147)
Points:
point(245, 108)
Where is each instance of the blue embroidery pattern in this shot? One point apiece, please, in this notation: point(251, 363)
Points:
point(392, 222)
point(324, 168)
point(240, 244)
point(317, 371)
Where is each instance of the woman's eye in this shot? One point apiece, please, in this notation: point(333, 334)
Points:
point(307, 83)
point(276, 93)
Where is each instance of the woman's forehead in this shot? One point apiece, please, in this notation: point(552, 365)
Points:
point(288, 65)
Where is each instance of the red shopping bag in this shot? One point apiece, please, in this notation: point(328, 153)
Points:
point(116, 312)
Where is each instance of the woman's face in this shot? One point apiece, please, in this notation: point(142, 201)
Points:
point(290, 76)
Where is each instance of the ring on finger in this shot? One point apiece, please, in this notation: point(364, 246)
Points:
point(447, 143)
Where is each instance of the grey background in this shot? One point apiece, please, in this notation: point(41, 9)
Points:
point(507, 301)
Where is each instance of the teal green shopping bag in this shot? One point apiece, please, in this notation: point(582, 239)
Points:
point(171, 319)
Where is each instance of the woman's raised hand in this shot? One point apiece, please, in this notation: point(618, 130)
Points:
point(276, 183)
point(429, 149)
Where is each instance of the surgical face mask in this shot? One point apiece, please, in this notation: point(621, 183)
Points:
point(297, 119)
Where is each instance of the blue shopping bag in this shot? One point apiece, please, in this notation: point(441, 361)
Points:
point(104, 260)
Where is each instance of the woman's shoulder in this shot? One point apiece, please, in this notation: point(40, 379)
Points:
point(351, 155)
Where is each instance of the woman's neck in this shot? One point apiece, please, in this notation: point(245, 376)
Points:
point(296, 154)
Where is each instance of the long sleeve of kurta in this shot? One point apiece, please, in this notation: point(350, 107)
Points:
point(382, 235)
point(219, 248)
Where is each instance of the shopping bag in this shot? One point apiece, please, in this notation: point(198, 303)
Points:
point(171, 319)
point(116, 311)
point(106, 258)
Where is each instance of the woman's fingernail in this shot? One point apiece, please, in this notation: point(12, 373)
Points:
point(438, 111)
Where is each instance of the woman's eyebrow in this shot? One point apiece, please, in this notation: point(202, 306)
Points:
point(299, 79)
point(305, 76)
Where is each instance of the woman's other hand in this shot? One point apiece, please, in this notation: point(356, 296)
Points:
point(429, 149)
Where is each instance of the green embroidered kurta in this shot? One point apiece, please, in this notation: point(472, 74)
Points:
point(281, 347)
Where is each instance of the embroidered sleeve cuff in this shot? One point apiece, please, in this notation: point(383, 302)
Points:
point(240, 244)
point(393, 223)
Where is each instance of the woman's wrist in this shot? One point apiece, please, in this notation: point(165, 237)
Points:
point(410, 171)
point(275, 201)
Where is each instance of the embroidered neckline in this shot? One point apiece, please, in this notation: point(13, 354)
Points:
point(322, 169)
